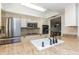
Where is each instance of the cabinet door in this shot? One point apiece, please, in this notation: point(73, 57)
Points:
point(0, 22)
point(70, 15)
point(23, 23)
point(78, 19)
point(0, 16)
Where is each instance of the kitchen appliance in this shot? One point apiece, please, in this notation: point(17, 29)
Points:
point(32, 25)
point(45, 29)
point(12, 29)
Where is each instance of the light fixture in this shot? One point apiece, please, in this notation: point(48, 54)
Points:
point(57, 24)
point(34, 7)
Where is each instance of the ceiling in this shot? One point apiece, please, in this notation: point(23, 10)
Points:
point(52, 9)
point(56, 7)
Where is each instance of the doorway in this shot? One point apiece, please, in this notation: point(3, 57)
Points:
point(55, 26)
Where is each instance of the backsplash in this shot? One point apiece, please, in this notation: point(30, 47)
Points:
point(71, 30)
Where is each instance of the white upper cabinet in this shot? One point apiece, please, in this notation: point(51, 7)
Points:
point(78, 19)
point(70, 15)
point(0, 16)
point(23, 22)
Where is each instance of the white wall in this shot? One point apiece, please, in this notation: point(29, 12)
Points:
point(49, 13)
point(62, 23)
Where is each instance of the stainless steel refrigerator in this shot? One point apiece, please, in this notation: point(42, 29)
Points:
point(11, 28)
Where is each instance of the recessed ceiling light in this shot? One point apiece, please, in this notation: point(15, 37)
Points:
point(34, 7)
